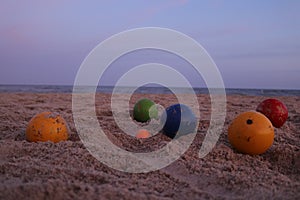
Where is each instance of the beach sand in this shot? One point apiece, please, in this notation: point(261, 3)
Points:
point(66, 170)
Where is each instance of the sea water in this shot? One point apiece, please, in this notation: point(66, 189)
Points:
point(143, 90)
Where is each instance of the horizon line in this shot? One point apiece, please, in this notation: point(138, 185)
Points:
point(152, 86)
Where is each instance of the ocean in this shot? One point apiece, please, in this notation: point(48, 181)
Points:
point(143, 90)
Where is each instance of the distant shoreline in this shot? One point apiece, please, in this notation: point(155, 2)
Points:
point(144, 90)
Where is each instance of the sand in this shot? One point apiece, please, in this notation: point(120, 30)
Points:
point(66, 170)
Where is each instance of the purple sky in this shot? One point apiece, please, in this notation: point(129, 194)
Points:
point(255, 44)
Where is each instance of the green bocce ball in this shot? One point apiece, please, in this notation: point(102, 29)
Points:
point(144, 110)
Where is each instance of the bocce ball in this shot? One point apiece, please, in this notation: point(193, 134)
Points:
point(143, 133)
point(179, 120)
point(251, 133)
point(275, 110)
point(47, 126)
point(144, 110)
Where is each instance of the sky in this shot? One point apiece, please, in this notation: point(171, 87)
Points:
point(255, 44)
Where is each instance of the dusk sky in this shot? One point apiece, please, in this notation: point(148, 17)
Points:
point(255, 44)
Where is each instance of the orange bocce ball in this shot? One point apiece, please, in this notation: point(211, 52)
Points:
point(251, 133)
point(47, 126)
point(143, 133)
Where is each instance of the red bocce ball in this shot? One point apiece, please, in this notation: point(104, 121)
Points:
point(275, 110)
